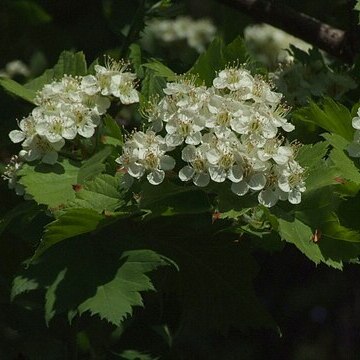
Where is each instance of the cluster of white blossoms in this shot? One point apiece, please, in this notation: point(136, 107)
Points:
point(227, 132)
point(70, 107)
point(354, 147)
point(14, 68)
point(197, 33)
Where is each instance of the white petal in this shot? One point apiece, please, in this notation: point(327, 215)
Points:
point(87, 130)
point(69, 132)
point(240, 188)
point(136, 170)
point(201, 179)
point(186, 173)
point(268, 198)
point(295, 197)
point(188, 153)
point(194, 139)
point(167, 162)
point(356, 123)
point(257, 181)
point(217, 174)
point(16, 136)
point(130, 97)
point(235, 174)
point(283, 184)
point(156, 177)
point(213, 156)
point(174, 139)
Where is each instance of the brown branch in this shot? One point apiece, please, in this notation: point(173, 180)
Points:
point(335, 41)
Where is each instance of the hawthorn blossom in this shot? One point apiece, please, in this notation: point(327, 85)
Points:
point(145, 153)
point(198, 165)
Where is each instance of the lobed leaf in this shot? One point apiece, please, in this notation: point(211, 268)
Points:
point(331, 116)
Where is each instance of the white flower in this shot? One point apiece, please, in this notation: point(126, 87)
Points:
point(184, 127)
point(28, 130)
point(273, 150)
point(197, 171)
point(122, 87)
point(291, 181)
point(83, 119)
point(235, 79)
point(262, 93)
point(223, 161)
point(201, 33)
point(41, 148)
point(253, 176)
point(145, 153)
point(89, 85)
point(255, 125)
point(55, 128)
point(113, 79)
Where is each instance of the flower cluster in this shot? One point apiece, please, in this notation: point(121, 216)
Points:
point(70, 107)
point(197, 33)
point(228, 132)
point(354, 147)
point(14, 68)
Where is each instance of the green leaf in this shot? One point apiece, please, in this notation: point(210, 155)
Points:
point(210, 62)
point(95, 275)
point(23, 285)
point(296, 232)
point(16, 89)
point(217, 56)
point(331, 116)
point(71, 223)
point(336, 141)
point(50, 185)
point(311, 155)
point(151, 86)
point(114, 300)
point(112, 134)
point(94, 165)
point(160, 69)
point(346, 166)
point(69, 63)
point(320, 172)
point(103, 194)
point(136, 60)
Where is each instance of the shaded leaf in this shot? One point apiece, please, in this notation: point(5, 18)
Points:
point(331, 116)
point(50, 185)
point(94, 165)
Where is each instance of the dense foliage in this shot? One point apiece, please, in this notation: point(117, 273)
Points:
point(142, 180)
